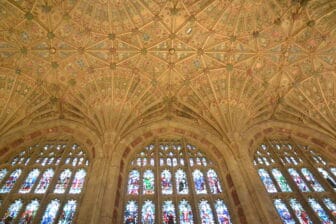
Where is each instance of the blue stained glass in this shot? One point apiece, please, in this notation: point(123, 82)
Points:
point(199, 182)
point(213, 181)
point(68, 212)
point(300, 213)
point(3, 173)
point(181, 182)
point(267, 181)
point(133, 182)
point(78, 182)
point(168, 216)
point(30, 212)
point(298, 180)
point(222, 213)
point(12, 211)
point(281, 181)
point(185, 212)
point(44, 181)
point(131, 213)
point(148, 213)
point(30, 181)
point(333, 171)
point(10, 182)
point(319, 211)
point(206, 213)
point(166, 182)
point(283, 211)
point(148, 182)
point(50, 212)
point(330, 205)
point(311, 180)
point(63, 182)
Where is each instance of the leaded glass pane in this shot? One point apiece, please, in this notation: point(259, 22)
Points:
point(3, 173)
point(78, 182)
point(131, 213)
point(168, 209)
point(30, 212)
point(68, 212)
point(181, 182)
point(148, 213)
point(30, 181)
point(298, 180)
point(199, 182)
point(223, 215)
point(206, 212)
point(133, 182)
point(281, 181)
point(148, 182)
point(213, 181)
point(267, 181)
point(299, 212)
point(311, 180)
point(10, 182)
point(185, 211)
point(44, 181)
point(166, 182)
point(319, 211)
point(283, 212)
point(328, 177)
point(330, 205)
point(63, 182)
point(12, 211)
point(50, 212)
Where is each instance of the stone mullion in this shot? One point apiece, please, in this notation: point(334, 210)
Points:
point(157, 175)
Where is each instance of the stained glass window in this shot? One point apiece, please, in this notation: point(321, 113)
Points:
point(43, 183)
point(182, 181)
point(305, 181)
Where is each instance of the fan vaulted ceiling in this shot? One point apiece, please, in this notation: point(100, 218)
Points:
point(116, 65)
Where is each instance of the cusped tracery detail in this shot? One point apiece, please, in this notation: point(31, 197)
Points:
point(299, 179)
point(43, 183)
point(178, 178)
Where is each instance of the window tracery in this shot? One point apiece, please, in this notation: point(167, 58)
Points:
point(300, 181)
point(171, 181)
point(43, 183)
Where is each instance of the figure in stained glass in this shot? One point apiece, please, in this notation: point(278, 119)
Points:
point(300, 213)
point(44, 181)
point(311, 180)
point(213, 181)
point(12, 212)
point(148, 213)
point(148, 182)
point(50, 212)
point(199, 182)
point(267, 181)
point(166, 182)
point(78, 182)
point(30, 181)
point(319, 211)
point(133, 182)
point(10, 182)
point(186, 215)
point(131, 213)
point(68, 212)
point(181, 182)
point(283, 212)
point(30, 212)
point(168, 216)
point(222, 213)
point(205, 212)
point(63, 182)
point(281, 181)
point(298, 180)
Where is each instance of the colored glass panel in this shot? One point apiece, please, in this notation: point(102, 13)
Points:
point(181, 182)
point(12, 211)
point(283, 212)
point(50, 212)
point(333, 171)
point(267, 181)
point(68, 212)
point(185, 213)
point(148, 182)
point(131, 213)
point(133, 182)
point(168, 210)
point(148, 213)
point(206, 212)
point(78, 182)
point(29, 213)
point(199, 182)
point(213, 181)
point(44, 181)
point(63, 182)
point(298, 180)
point(328, 177)
point(223, 215)
point(30, 181)
point(3, 173)
point(281, 181)
point(319, 211)
point(311, 180)
point(10, 182)
point(166, 182)
point(330, 205)
point(300, 213)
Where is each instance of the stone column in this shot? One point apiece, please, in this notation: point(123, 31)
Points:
point(254, 200)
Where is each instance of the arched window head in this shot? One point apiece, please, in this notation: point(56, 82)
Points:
point(300, 181)
point(43, 183)
point(173, 182)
